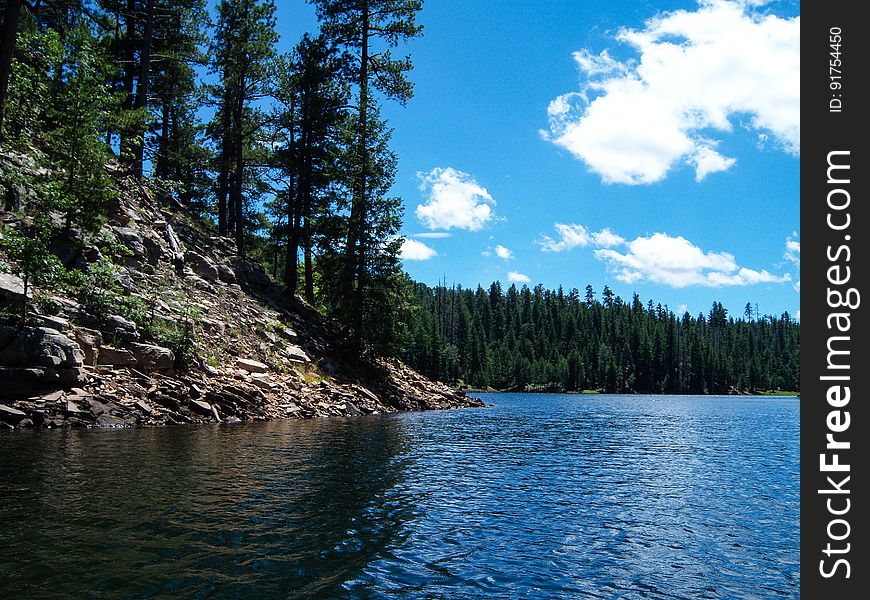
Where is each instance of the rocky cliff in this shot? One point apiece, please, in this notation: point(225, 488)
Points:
point(250, 352)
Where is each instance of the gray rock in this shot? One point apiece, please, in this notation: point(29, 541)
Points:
point(226, 274)
point(90, 341)
point(59, 324)
point(131, 239)
point(117, 357)
point(122, 328)
point(143, 406)
point(201, 266)
point(38, 347)
point(107, 420)
point(12, 287)
point(152, 358)
point(296, 354)
point(10, 415)
point(73, 409)
point(251, 366)
point(201, 408)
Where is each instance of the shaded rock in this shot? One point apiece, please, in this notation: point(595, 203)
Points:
point(201, 408)
point(90, 341)
point(201, 266)
point(95, 407)
point(117, 357)
point(131, 239)
point(20, 382)
point(152, 358)
point(251, 366)
point(226, 274)
point(37, 347)
point(122, 328)
point(10, 415)
point(249, 272)
point(12, 288)
point(143, 406)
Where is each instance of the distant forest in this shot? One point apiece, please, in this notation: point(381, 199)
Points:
point(543, 340)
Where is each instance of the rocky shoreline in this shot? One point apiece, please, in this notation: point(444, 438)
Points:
point(255, 353)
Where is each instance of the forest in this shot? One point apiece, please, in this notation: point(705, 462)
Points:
point(288, 155)
point(544, 340)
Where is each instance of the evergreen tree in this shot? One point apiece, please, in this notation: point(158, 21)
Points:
point(359, 26)
point(242, 51)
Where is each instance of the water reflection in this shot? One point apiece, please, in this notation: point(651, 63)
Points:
point(539, 497)
point(264, 510)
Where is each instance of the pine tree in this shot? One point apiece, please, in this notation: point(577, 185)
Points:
point(358, 26)
point(242, 51)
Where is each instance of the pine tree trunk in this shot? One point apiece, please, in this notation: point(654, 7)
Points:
point(142, 89)
point(7, 49)
point(352, 284)
point(129, 76)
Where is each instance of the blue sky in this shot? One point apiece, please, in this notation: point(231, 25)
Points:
point(650, 147)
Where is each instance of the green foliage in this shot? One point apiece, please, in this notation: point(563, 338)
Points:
point(27, 248)
point(537, 339)
point(77, 142)
point(38, 52)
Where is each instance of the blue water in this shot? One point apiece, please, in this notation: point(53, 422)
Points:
point(541, 496)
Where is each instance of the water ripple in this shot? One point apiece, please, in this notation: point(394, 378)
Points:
point(539, 497)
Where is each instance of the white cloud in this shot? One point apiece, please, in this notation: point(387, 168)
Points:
point(676, 262)
point(573, 235)
point(793, 255)
point(432, 235)
point(632, 121)
point(454, 199)
point(414, 250)
point(518, 277)
point(503, 252)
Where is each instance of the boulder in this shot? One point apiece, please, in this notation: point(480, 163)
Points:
point(117, 357)
point(201, 266)
point(152, 358)
point(122, 328)
point(10, 415)
point(90, 341)
point(131, 239)
point(251, 366)
point(249, 272)
point(11, 288)
point(226, 274)
point(201, 408)
point(38, 347)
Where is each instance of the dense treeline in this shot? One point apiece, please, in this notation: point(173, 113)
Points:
point(537, 339)
point(286, 153)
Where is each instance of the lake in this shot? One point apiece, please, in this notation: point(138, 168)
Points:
point(540, 496)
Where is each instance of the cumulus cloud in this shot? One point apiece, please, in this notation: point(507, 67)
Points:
point(573, 235)
point(454, 199)
point(518, 277)
point(632, 121)
point(415, 250)
point(503, 252)
point(676, 262)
